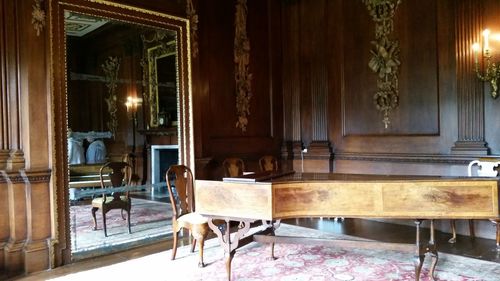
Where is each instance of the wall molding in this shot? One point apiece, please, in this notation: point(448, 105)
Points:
point(405, 158)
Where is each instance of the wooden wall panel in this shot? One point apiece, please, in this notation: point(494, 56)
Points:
point(425, 121)
point(417, 113)
point(216, 78)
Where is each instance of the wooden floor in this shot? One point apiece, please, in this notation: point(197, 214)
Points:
point(476, 248)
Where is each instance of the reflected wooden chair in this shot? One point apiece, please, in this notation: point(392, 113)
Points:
point(268, 163)
point(119, 175)
point(233, 167)
point(485, 168)
point(180, 177)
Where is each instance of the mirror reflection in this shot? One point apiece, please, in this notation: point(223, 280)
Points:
point(122, 78)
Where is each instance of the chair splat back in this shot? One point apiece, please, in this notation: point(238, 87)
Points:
point(233, 167)
point(181, 177)
point(120, 172)
point(268, 163)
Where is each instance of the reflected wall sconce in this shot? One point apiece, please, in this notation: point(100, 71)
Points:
point(490, 70)
point(132, 104)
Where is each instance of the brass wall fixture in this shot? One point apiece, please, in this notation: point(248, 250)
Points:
point(491, 70)
point(111, 67)
point(38, 17)
point(241, 59)
point(385, 56)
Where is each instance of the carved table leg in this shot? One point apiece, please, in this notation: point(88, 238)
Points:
point(224, 235)
point(273, 226)
point(453, 238)
point(419, 257)
point(431, 249)
point(497, 224)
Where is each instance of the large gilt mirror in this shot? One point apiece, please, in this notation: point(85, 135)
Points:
point(105, 55)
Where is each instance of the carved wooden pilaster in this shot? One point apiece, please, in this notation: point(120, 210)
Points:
point(470, 96)
point(10, 120)
point(4, 220)
point(318, 157)
point(291, 78)
point(36, 248)
point(26, 196)
point(290, 151)
point(13, 251)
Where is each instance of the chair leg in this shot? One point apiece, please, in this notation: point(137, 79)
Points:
point(128, 221)
point(453, 238)
point(498, 235)
point(201, 244)
point(193, 244)
point(174, 246)
point(472, 232)
point(94, 210)
point(104, 223)
point(123, 216)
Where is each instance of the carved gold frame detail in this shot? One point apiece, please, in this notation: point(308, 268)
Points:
point(160, 48)
point(193, 19)
point(385, 56)
point(111, 67)
point(242, 74)
point(38, 17)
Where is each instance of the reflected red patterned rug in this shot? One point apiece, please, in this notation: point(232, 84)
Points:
point(148, 219)
point(295, 262)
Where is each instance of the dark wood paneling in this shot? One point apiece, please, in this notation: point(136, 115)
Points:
point(417, 112)
point(216, 66)
point(425, 30)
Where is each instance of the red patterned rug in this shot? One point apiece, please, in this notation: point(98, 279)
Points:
point(295, 262)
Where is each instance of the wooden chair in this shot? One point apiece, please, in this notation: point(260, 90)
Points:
point(120, 173)
point(185, 217)
point(233, 167)
point(486, 167)
point(268, 163)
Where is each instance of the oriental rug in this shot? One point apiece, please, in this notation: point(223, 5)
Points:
point(149, 220)
point(294, 262)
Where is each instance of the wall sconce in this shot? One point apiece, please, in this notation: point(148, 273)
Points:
point(491, 70)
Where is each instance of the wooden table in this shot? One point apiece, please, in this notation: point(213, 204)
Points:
point(297, 195)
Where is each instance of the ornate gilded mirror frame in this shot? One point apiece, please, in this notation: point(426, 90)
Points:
point(159, 46)
point(60, 244)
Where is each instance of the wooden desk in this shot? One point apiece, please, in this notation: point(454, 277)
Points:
point(345, 195)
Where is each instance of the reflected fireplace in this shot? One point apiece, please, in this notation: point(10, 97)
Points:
point(162, 156)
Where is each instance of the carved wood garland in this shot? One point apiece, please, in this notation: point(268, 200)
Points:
point(38, 17)
point(385, 56)
point(241, 59)
point(110, 68)
point(193, 19)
